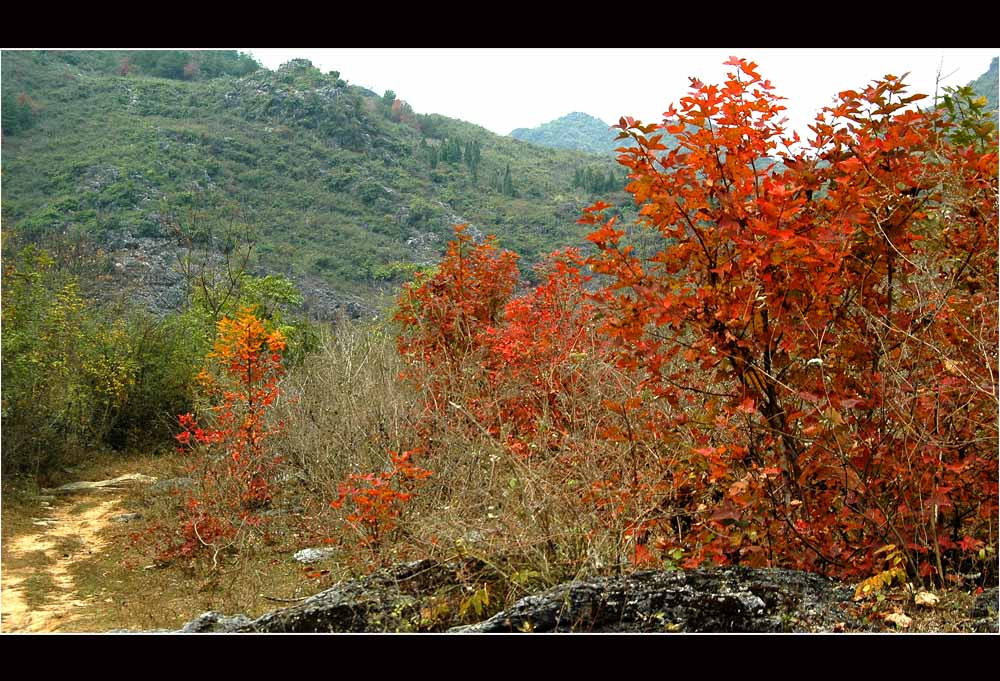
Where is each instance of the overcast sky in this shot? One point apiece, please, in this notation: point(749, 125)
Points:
point(503, 89)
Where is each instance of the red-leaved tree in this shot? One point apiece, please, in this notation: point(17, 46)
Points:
point(442, 315)
point(820, 324)
point(234, 455)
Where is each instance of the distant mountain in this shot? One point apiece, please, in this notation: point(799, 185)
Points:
point(986, 85)
point(577, 130)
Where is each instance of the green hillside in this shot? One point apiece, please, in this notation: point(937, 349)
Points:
point(347, 190)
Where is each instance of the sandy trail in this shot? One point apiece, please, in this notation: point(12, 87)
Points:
point(65, 538)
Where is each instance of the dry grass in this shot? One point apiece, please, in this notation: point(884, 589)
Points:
point(346, 408)
point(531, 518)
point(122, 586)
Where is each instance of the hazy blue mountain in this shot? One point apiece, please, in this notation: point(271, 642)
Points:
point(576, 130)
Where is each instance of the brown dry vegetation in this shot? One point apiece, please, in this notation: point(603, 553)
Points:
point(521, 514)
point(522, 517)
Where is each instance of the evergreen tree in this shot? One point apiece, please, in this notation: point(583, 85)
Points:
point(473, 152)
point(507, 186)
point(18, 112)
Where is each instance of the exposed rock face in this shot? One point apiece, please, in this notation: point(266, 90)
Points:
point(173, 484)
point(126, 517)
point(387, 601)
point(213, 622)
point(146, 270)
point(428, 596)
point(721, 600)
point(323, 303)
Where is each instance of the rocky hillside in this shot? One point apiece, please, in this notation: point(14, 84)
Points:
point(346, 191)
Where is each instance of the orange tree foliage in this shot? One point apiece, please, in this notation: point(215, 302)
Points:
point(377, 499)
point(823, 328)
point(506, 361)
point(238, 464)
point(813, 341)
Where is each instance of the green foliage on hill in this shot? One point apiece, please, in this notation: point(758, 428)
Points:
point(347, 187)
point(576, 130)
point(79, 375)
point(172, 64)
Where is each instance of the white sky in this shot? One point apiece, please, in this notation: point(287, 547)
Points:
point(503, 89)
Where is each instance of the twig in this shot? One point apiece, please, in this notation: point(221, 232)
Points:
point(287, 600)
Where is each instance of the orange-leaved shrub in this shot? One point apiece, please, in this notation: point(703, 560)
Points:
point(377, 500)
point(509, 363)
point(531, 355)
point(819, 324)
point(443, 314)
point(804, 368)
point(528, 378)
point(236, 462)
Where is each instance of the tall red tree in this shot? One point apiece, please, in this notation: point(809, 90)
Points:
point(821, 319)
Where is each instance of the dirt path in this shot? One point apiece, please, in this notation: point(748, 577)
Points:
point(38, 591)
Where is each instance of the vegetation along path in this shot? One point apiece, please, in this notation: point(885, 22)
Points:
point(39, 592)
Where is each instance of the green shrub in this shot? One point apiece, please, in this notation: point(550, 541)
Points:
point(77, 377)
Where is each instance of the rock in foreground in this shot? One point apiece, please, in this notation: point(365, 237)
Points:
point(719, 600)
point(387, 601)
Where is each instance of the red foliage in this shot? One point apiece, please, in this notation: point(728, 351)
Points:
point(820, 316)
point(530, 354)
point(814, 339)
point(238, 464)
point(443, 315)
point(508, 362)
point(378, 499)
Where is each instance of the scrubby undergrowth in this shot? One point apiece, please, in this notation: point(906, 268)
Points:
point(781, 366)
